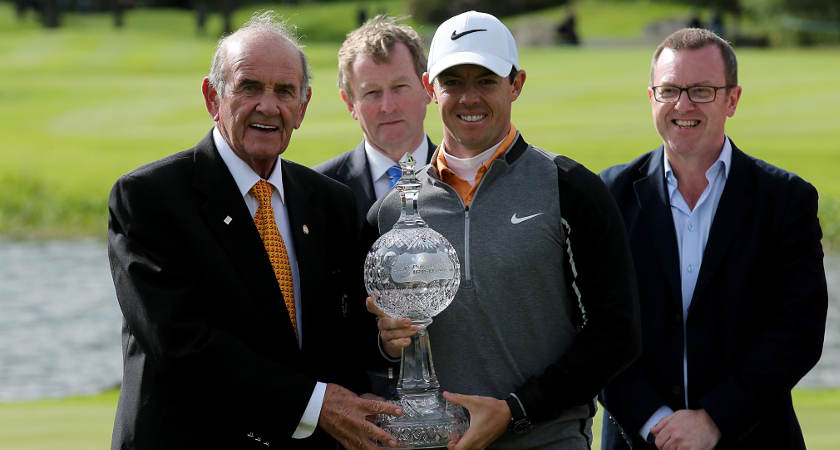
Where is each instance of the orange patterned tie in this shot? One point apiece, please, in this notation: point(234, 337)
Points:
point(273, 241)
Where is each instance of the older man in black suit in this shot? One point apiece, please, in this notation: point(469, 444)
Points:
point(233, 270)
point(730, 271)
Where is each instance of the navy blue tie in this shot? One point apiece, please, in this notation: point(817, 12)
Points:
point(394, 172)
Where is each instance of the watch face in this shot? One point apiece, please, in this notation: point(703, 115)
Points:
point(522, 426)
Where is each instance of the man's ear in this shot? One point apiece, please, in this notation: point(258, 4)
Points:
point(518, 82)
point(347, 101)
point(211, 99)
point(732, 97)
point(303, 107)
point(430, 89)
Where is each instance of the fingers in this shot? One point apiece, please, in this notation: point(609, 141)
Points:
point(371, 396)
point(344, 416)
point(395, 333)
point(370, 304)
point(381, 407)
point(489, 418)
point(661, 424)
point(386, 321)
point(457, 399)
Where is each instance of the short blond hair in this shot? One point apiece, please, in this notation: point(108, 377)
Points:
point(377, 38)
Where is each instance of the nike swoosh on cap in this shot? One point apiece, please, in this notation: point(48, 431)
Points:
point(464, 33)
point(515, 220)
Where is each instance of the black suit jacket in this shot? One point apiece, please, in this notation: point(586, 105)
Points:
point(352, 169)
point(210, 356)
point(757, 319)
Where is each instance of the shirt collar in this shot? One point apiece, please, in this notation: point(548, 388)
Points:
point(723, 161)
point(380, 163)
point(497, 151)
point(243, 174)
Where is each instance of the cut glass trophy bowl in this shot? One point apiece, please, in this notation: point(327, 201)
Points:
point(413, 271)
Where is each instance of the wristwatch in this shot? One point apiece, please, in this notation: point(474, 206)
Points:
point(519, 421)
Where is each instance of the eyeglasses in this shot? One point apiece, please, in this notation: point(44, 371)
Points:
point(697, 94)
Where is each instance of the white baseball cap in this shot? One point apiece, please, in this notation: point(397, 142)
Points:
point(473, 38)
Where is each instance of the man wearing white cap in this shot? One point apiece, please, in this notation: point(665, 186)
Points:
point(547, 309)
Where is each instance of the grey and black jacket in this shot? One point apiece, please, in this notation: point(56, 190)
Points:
point(547, 306)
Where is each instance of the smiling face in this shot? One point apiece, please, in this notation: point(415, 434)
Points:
point(389, 101)
point(692, 131)
point(475, 107)
point(262, 103)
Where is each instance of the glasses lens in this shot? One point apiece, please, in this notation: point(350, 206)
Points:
point(666, 94)
point(701, 94)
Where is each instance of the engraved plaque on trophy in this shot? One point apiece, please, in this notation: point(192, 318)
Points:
point(414, 272)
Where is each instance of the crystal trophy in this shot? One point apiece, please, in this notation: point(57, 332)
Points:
point(414, 272)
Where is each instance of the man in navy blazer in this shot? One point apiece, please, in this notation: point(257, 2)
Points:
point(212, 358)
point(380, 71)
point(730, 271)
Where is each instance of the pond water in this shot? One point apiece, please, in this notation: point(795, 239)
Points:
point(60, 323)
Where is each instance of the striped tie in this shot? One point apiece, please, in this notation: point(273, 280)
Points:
point(273, 241)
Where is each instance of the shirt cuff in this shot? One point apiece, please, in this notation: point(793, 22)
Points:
point(313, 411)
point(658, 415)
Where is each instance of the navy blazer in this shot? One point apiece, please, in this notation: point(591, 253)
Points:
point(352, 169)
point(210, 356)
point(757, 319)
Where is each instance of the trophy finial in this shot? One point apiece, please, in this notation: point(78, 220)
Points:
point(407, 162)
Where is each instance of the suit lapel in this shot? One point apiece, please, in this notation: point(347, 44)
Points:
point(735, 207)
point(226, 215)
point(302, 223)
point(358, 177)
point(655, 207)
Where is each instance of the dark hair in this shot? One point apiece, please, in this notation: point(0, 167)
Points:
point(512, 74)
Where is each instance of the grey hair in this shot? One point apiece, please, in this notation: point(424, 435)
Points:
point(265, 22)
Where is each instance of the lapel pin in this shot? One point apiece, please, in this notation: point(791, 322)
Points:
point(228, 220)
point(305, 229)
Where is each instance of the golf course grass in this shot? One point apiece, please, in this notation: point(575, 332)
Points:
point(85, 103)
point(84, 423)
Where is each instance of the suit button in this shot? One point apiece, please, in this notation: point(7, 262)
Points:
point(677, 319)
point(676, 390)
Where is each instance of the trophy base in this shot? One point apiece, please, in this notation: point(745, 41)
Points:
point(428, 421)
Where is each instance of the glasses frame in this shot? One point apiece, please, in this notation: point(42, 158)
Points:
point(687, 93)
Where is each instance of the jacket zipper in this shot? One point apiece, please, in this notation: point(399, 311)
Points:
point(467, 274)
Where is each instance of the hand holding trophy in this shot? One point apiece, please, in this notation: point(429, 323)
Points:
point(414, 272)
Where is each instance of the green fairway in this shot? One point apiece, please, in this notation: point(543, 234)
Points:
point(83, 104)
point(86, 103)
point(83, 423)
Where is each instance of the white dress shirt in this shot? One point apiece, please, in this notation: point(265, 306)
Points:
point(379, 164)
point(692, 228)
point(246, 178)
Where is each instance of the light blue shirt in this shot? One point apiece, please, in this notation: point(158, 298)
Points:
point(245, 179)
point(379, 164)
point(692, 228)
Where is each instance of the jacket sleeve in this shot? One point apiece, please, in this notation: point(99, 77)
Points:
point(795, 304)
point(604, 286)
